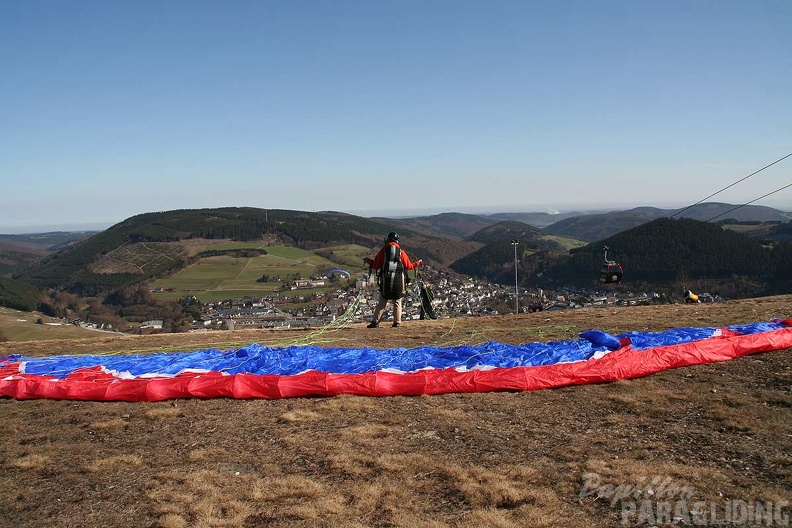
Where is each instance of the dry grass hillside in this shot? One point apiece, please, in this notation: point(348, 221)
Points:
point(717, 435)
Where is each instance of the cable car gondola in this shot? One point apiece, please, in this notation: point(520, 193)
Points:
point(612, 271)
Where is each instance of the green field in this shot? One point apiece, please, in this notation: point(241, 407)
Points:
point(21, 326)
point(750, 229)
point(566, 243)
point(349, 257)
point(224, 246)
point(225, 277)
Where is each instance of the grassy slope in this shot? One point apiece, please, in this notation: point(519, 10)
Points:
point(495, 459)
point(566, 243)
point(21, 326)
point(224, 277)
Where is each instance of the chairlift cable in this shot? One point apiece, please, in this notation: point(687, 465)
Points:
point(612, 271)
point(732, 185)
point(748, 203)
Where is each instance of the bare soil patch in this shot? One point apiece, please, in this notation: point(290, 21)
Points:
point(722, 432)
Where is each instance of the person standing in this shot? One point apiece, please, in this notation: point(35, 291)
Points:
point(391, 264)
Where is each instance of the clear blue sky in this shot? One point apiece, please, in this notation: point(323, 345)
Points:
point(114, 108)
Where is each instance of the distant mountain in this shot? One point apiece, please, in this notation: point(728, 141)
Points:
point(14, 258)
point(46, 242)
point(600, 226)
point(718, 212)
point(18, 252)
point(463, 226)
point(449, 225)
point(150, 245)
point(507, 229)
point(581, 225)
point(538, 219)
point(494, 259)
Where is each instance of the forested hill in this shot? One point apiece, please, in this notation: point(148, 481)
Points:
point(591, 227)
point(667, 250)
point(494, 259)
point(248, 223)
point(455, 226)
point(154, 236)
point(599, 226)
point(655, 254)
point(18, 252)
point(19, 296)
point(506, 230)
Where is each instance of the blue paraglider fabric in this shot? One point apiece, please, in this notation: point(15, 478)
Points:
point(258, 359)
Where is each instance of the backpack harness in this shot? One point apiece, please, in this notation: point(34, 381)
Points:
point(392, 279)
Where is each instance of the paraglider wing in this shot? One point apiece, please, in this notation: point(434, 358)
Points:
point(257, 371)
point(343, 272)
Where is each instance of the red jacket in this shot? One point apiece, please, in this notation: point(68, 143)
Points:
point(406, 262)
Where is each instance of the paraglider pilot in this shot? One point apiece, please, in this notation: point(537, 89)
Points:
point(391, 264)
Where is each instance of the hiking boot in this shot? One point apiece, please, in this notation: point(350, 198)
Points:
point(395, 325)
point(372, 324)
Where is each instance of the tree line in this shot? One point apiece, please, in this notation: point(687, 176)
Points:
point(655, 253)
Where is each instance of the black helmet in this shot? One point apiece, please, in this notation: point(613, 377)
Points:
point(393, 237)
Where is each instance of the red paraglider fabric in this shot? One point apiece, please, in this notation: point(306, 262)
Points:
point(599, 358)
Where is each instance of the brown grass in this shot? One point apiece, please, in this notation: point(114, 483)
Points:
point(163, 413)
point(115, 423)
point(462, 460)
point(30, 462)
point(115, 462)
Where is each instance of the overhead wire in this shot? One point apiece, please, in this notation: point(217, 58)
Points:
point(732, 185)
point(748, 203)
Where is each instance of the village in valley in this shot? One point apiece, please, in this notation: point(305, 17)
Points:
point(309, 303)
point(450, 295)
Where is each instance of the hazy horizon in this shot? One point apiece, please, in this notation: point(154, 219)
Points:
point(393, 213)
